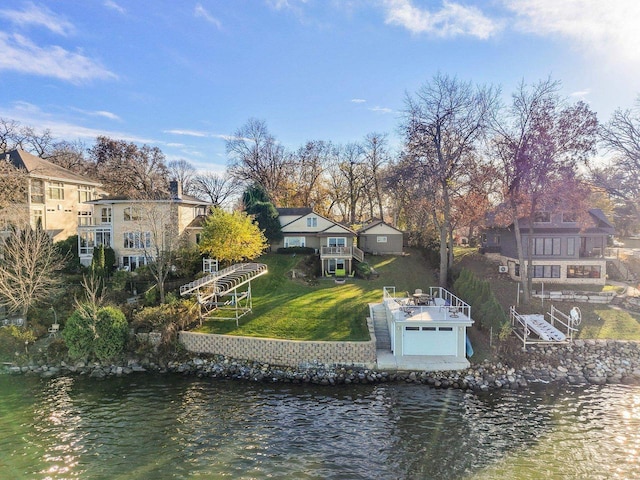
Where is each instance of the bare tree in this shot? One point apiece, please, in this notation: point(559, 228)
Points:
point(157, 226)
point(256, 157)
point(183, 172)
point(10, 135)
point(442, 126)
point(539, 142)
point(347, 181)
point(71, 155)
point(126, 169)
point(621, 136)
point(305, 186)
point(28, 265)
point(375, 156)
point(216, 188)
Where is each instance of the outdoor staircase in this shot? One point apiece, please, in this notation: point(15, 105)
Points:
point(620, 270)
point(383, 340)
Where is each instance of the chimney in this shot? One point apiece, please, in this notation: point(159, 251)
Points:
point(175, 189)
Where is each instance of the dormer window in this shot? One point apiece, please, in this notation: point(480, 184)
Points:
point(312, 221)
point(569, 217)
point(542, 217)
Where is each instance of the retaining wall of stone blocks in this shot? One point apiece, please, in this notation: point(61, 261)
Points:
point(289, 353)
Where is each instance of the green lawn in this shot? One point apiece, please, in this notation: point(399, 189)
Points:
point(598, 321)
point(292, 309)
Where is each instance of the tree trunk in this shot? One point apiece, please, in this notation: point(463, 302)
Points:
point(523, 265)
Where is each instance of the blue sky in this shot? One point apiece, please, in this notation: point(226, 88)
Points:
point(184, 75)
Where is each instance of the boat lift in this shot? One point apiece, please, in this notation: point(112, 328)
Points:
point(533, 329)
point(226, 290)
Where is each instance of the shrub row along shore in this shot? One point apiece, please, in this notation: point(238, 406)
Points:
point(584, 362)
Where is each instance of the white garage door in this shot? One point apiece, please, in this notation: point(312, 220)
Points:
point(429, 340)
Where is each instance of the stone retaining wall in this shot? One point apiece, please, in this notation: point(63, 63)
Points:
point(289, 353)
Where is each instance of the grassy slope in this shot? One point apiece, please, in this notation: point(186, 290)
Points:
point(598, 321)
point(292, 309)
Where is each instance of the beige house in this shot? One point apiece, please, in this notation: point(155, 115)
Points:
point(380, 238)
point(56, 196)
point(137, 229)
point(335, 243)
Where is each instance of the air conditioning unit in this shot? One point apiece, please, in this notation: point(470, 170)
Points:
point(503, 269)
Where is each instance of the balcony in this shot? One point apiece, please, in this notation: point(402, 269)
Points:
point(342, 252)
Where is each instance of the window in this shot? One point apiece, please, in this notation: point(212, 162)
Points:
point(583, 271)
point(569, 217)
point(312, 221)
point(91, 239)
point(37, 217)
point(294, 242)
point(133, 262)
point(37, 191)
point(546, 271)
point(337, 242)
point(571, 246)
point(84, 194)
point(84, 218)
point(496, 239)
point(137, 239)
point(55, 191)
point(542, 217)
point(381, 239)
point(198, 238)
point(105, 215)
point(131, 214)
point(546, 246)
point(334, 264)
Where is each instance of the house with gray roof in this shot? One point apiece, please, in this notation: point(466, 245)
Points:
point(334, 242)
point(565, 247)
point(56, 197)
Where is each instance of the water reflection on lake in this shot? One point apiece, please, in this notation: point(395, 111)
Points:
point(179, 427)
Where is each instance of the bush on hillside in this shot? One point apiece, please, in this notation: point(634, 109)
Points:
point(100, 333)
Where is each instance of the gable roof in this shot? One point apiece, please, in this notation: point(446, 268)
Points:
point(376, 223)
point(157, 197)
point(291, 212)
point(297, 214)
point(40, 168)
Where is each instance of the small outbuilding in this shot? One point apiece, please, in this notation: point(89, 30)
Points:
point(379, 238)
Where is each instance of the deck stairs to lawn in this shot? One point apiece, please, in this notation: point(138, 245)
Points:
point(621, 269)
point(383, 340)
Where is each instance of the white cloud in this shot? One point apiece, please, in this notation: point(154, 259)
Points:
point(201, 12)
point(114, 6)
point(19, 54)
point(188, 133)
point(358, 100)
point(285, 4)
point(609, 29)
point(33, 116)
point(580, 93)
point(381, 109)
point(451, 20)
point(39, 16)
point(199, 134)
point(105, 114)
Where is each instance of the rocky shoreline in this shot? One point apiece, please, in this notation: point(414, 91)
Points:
point(585, 362)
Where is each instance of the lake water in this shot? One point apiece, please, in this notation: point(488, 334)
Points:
point(155, 427)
